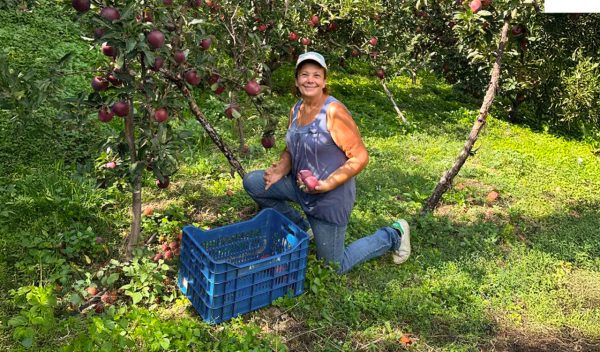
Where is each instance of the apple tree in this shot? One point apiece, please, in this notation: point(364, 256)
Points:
point(156, 55)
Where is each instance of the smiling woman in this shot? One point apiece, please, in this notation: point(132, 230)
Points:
point(324, 152)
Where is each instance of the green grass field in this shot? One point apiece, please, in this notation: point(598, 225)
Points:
point(521, 273)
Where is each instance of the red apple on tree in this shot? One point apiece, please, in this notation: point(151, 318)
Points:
point(92, 290)
point(262, 27)
point(205, 43)
point(105, 115)
point(156, 39)
point(114, 80)
point(179, 56)
point(99, 83)
point(314, 20)
point(229, 111)
point(252, 88)
point(108, 50)
point(523, 43)
point(81, 5)
point(380, 73)
point(110, 14)
point(220, 89)
point(110, 165)
point(331, 27)
point(165, 184)
point(475, 5)
point(293, 36)
point(192, 77)
point(373, 41)
point(161, 115)
point(517, 30)
point(158, 63)
point(98, 33)
point(213, 78)
point(267, 142)
point(305, 41)
point(120, 108)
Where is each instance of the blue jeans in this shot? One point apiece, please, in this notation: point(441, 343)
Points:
point(329, 237)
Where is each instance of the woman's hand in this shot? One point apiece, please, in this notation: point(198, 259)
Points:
point(321, 187)
point(273, 174)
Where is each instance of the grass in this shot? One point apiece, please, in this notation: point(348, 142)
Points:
point(518, 274)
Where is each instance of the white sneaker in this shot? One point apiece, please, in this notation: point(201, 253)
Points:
point(403, 252)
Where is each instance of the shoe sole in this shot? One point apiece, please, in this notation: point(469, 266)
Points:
point(398, 257)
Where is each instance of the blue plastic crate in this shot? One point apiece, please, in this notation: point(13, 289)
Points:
point(241, 267)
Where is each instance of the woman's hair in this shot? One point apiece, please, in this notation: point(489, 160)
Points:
point(295, 89)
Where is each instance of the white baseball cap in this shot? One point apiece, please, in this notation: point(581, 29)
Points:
point(314, 56)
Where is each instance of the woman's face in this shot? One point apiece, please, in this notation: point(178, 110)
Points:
point(311, 80)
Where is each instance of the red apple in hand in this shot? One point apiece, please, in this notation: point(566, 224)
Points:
point(311, 183)
point(303, 174)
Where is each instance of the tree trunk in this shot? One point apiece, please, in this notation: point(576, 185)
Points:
point(446, 179)
point(136, 207)
point(391, 97)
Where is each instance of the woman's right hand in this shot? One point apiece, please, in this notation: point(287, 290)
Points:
point(273, 175)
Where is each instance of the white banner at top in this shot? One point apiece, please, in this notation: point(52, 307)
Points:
point(571, 6)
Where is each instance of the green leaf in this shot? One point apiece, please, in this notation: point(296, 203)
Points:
point(19, 320)
point(165, 343)
point(112, 278)
point(27, 342)
point(135, 296)
point(130, 45)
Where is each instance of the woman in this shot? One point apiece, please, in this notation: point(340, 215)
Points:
point(323, 138)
